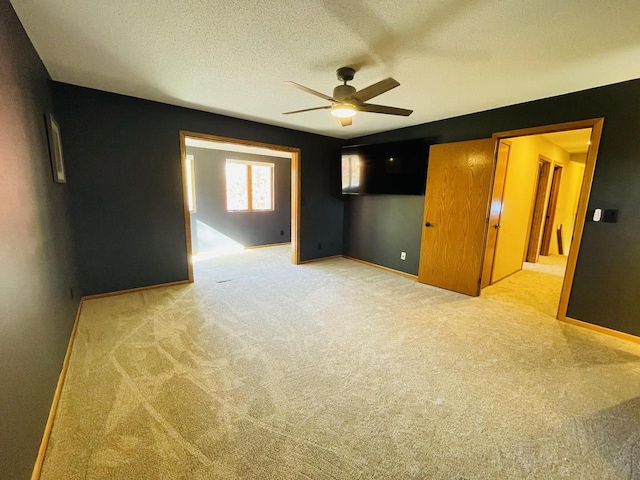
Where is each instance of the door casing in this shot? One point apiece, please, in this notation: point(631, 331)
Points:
point(596, 125)
point(295, 189)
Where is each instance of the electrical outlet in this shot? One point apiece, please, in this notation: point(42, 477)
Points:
point(403, 255)
point(610, 216)
point(319, 246)
point(281, 232)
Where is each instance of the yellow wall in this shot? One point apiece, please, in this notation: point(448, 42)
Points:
point(568, 196)
point(518, 198)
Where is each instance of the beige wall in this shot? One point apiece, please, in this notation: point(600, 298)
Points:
point(518, 198)
point(568, 196)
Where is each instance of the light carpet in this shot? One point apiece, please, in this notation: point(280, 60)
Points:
point(337, 370)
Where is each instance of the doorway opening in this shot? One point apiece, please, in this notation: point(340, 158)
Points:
point(464, 214)
point(538, 208)
point(238, 195)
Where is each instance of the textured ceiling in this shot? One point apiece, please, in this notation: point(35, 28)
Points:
point(451, 56)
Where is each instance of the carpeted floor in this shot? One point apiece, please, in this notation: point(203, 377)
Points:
point(336, 370)
point(537, 286)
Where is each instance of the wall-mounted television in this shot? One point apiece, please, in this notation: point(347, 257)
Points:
point(396, 168)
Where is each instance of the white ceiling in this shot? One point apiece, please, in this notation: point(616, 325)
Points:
point(451, 56)
point(572, 141)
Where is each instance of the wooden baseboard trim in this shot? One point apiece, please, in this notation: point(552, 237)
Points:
point(599, 329)
point(133, 290)
point(267, 245)
point(392, 270)
point(35, 475)
point(319, 259)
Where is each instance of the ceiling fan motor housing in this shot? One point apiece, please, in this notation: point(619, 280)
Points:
point(343, 91)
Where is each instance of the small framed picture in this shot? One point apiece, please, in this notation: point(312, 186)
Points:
point(55, 150)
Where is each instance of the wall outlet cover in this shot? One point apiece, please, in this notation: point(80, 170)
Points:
point(610, 216)
point(403, 255)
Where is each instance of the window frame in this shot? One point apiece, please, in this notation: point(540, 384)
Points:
point(249, 192)
point(354, 163)
point(190, 167)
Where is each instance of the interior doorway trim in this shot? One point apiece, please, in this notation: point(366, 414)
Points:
point(596, 125)
point(295, 188)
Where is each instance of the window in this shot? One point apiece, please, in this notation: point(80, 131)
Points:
point(249, 186)
point(350, 171)
point(191, 183)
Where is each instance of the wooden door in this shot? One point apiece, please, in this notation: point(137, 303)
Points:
point(539, 204)
point(455, 214)
point(551, 211)
point(495, 212)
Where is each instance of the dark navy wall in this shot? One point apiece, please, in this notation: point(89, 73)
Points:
point(606, 288)
point(125, 182)
point(36, 261)
point(247, 228)
point(380, 227)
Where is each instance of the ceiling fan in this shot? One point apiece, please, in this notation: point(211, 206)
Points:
point(346, 101)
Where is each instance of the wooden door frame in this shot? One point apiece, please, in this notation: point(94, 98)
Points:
point(552, 205)
point(596, 125)
point(538, 210)
point(295, 188)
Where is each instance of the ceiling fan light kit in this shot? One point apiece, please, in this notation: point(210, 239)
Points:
point(343, 110)
point(347, 101)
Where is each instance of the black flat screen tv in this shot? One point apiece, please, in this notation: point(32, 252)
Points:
point(396, 168)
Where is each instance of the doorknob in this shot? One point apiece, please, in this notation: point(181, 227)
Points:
point(428, 224)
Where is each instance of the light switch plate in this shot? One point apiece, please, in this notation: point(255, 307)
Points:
point(597, 214)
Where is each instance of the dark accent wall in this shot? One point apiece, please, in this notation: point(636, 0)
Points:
point(125, 183)
point(606, 288)
point(36, 265)
point(380, 227)
point(247, 228)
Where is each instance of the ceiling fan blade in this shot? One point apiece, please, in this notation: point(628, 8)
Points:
point(370, 107)
point(375, 89)
point(308, 90)
point(307, 110)
point(346, 121)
